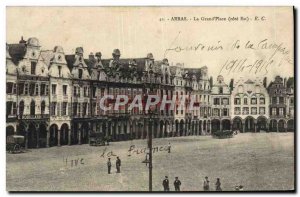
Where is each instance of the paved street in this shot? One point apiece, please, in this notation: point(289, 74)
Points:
point(258, 161)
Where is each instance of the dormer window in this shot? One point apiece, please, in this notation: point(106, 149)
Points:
point(33, 68)
point(80, 74)
point(59, 70)
point(80, 58)
point(59, 57)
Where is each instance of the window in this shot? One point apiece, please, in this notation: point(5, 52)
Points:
point(11, 108)
point(84, 110)
point(80, 73)
point(220, 90)
point(292, 101)
point(21, 88)
point(281, 111)
point(26, 89)
point(8, 108)
point(21, 108)
point(245, 110)
point(274, 111)
point(216, 112)
point(84, 91)
point(262, 110)
point(253, 101)
point(33, 68)
point(31, 89)
point(216, 101)
point(281, 100)
point(59, 70)
point(245, 101)
point(262, 101)
point(225, 112)
point(53, 108)
point(237, 111)
point(274, 100)
point(64, 108)
point(14, 108)
point(74, 109)
point(75, 91)
point(43, 107)
point(237, 101)
point(9, 87)
point(54, 89)
point(65, 88)
point(47, 90)
point(36, 89)
point(225, 101)
point(253, 110)
point(32, 108)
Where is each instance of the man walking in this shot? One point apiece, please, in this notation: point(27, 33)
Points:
point(177, 184)
point(108, 165)
point(206, 184)
point(166, 184)
point(118, 164)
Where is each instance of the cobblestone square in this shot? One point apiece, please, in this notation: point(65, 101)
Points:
point(258, 161)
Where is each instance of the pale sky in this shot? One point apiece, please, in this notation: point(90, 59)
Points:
point(138, 31)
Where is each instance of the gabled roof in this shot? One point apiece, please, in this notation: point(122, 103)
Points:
point(193, 71)
point(17, 52)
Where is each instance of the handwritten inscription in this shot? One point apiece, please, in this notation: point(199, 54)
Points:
point(133, 150)
point(74, 162)
point(271, 54)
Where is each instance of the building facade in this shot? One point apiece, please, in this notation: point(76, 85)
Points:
point(53, 99)
point(220, 98)
point(249, 106)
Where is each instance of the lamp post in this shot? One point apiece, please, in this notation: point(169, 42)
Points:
point(148, 159)
point(150, 150)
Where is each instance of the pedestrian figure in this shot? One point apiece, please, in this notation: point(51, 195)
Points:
point(169, 148)
point(177, 184)
point(218, 185)
point(118, 164)
point(206, 184)
point(166, 184)
point(109, 165)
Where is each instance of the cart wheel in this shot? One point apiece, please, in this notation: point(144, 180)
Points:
point(98, 142)
point(16, 148)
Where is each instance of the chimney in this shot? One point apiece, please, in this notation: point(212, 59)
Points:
point(22, 41)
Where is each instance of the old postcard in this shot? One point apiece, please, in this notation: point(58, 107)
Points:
point(150, 99)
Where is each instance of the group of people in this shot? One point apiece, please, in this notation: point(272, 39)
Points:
point(118, 165)
point(177, 184)
point(206, 184)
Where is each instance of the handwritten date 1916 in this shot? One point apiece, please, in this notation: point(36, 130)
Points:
point(240, 65)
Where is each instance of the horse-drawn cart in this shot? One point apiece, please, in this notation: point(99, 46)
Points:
point(98, 139)
point(15, 143)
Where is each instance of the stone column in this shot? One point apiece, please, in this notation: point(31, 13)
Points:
point(79, 135)
point(48, 139)
point(26, 139)
point(100, 129)
point(58, 137)
point(38, 138)
point(69, 135)
point(202, 128)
